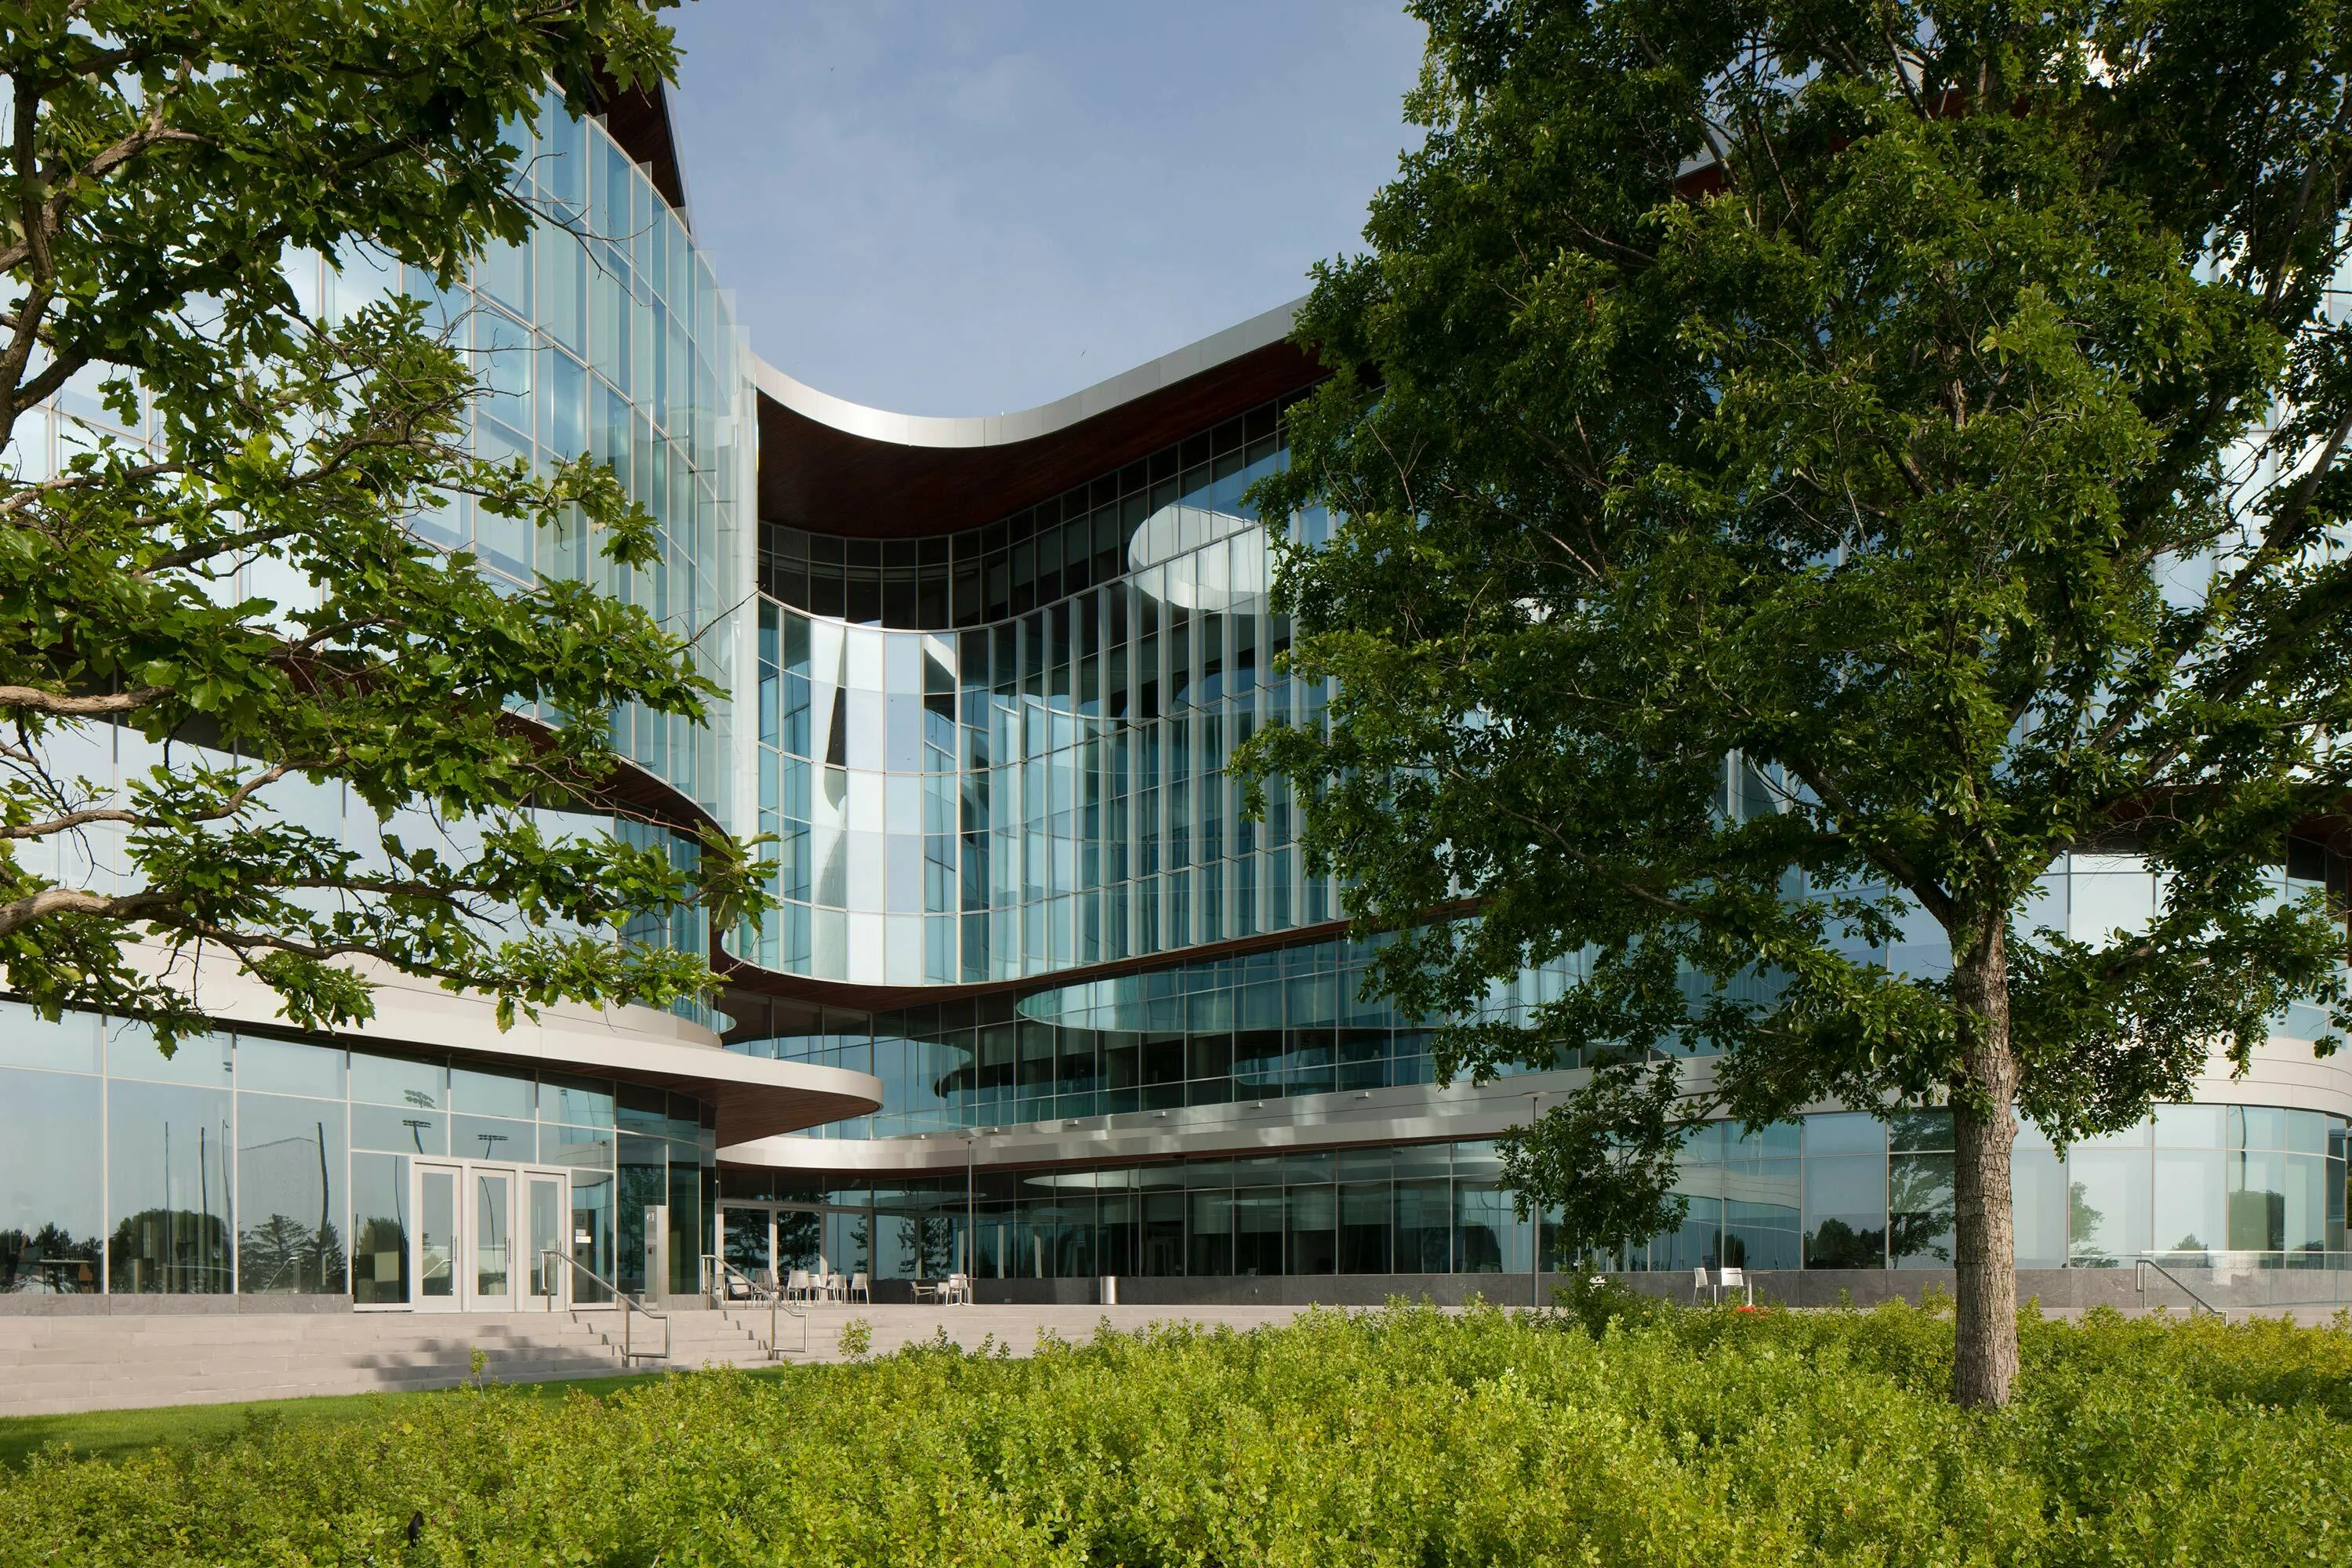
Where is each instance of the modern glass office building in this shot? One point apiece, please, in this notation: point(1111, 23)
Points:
point(429, 1161)
point(1118, 1028)
point(1039, 1002)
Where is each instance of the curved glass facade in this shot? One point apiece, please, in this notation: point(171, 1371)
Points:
point(606, 333)
point(1039, 784)
point(2212, 1188)
point(999, 756)
point(1266, 1025)
point(257, 1166)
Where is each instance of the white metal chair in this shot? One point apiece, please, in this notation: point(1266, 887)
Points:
point(1736, 1279)
point(956, 1288)
point(1698, 1282)
point(799, 1286)
point(858, 1286)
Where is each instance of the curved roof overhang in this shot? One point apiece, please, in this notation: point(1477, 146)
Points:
point(747, 980)
point(754, 1096)
point(637, 119)
point(836, 466)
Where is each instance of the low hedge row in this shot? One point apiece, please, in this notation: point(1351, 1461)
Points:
point(1400, 1436)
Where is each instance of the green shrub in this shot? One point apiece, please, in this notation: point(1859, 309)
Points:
point(857, 1338)
point(1594, 1301)
point(1401, 1437)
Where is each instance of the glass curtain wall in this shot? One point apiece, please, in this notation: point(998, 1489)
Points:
point(1292, 1021)
point(605, 332)
point(2203, 1186)
point(1239, 1030)
point(602, 332)
point(267, 1166)
point(1002, 753)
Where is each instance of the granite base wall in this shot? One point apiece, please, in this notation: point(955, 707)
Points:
point(28, 1304)
point(2064, 1289)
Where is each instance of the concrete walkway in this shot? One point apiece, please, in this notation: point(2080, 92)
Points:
point(52, 1365)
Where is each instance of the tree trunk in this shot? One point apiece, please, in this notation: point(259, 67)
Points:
point(1984, 1360)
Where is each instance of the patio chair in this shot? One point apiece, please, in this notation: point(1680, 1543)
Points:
point(798, 1286)
point(859, 1286)
point(956, 1288)
point(930, 1290)
point(1698, 1283)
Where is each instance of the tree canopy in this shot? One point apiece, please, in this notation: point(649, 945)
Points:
point(237, 584)
point(1803, 468)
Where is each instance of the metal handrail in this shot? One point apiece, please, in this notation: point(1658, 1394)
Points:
point(714, 1267)
point(2140, 1266)
point(628, 1304)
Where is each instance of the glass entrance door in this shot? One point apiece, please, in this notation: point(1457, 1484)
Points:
point(544, 1234)
point(492, 1279)
point(482, 1235)
point(439, 1268)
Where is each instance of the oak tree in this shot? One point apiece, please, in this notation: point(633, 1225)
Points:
point(229, 589)
point(1800, 469)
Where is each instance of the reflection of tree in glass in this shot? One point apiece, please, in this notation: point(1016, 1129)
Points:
point(50, 1259)
point(173, 1250)
point(1835, 1244)
point(283, 1254)
point(2082, 1223)
point(382, 1262)
point(1919, 1197)
point(800, 1237)
point(930, 1240)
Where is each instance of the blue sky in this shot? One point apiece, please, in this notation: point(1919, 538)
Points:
point(967, 207)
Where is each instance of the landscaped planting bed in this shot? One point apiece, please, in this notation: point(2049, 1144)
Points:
point(1402, 1436)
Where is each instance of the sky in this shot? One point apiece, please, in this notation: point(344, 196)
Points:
point(970, 206)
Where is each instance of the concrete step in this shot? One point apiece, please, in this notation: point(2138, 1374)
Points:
point(54, 1366)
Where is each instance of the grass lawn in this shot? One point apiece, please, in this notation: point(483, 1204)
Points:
point(111, 1433)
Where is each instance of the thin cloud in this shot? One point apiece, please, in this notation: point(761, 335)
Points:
point(962, 209)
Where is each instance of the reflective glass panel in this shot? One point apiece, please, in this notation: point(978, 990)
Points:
point(399, 1080)
point(2188, 1210)
point(51, 1190)
point(288, 1067)
point(491, 1093)
point(201, 1061)
point(1845, 1210)
point(493, 1231)
point(168, 1189)
point(1919, 1204)
point(289, 1176)
point(436, 1234)
point(2106, 1215)
point(491, 1138)
point(577, 1101)
point(378, 1231)
point(26, 1040)
point(2039, 1201)
point(399, 1130)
